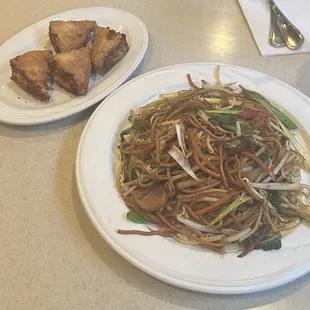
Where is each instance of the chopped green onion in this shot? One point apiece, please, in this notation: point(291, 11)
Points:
point(233, 112)
point(214, 100)
point(137, 125)
point(275, 111)
point(240, 200)
point(133, 216)
point(222, 119)
point(236, 146)
point(298, 146)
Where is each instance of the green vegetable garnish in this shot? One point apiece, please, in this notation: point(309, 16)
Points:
point(297, 145)
point(246, 129)
point(214, 100)
point(254, 240)
point(229, 127)
point(264, 157)
point(278, 198)
point(232, 112)
point(240, 200)
point(262, 100)
point(133, 216)
point(137, 125)
point(221, 119)
point(270, 243)
point(126, 167)
point(228, 122)
point(235, 147)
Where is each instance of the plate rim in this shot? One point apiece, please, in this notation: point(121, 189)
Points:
point(285, 276)
point(88, 103)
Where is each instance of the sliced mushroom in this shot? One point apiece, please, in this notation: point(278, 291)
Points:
point(150, 199)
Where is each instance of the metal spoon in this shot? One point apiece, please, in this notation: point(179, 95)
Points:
point(291, 35)
point(275, 37)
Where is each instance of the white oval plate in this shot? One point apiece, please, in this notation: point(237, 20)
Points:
point(17, 107)
point(188, 267)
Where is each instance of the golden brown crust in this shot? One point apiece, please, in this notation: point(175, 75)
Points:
point(31, 72)
point(71, 70)
point(69, 35)
point(109, 47)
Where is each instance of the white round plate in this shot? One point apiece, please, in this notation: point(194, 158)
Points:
point(188, 267)
point(17, 107)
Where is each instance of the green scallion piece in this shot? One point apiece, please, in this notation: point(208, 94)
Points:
point(240, 200)
point(133, 216)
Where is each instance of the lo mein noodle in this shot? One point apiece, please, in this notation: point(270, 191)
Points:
point(213, 166)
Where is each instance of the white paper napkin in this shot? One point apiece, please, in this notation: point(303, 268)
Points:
point(257, 13)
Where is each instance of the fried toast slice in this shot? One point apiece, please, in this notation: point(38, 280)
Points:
point(31, 72)
point(108, 48)
point(68, 35)
point(71, 70)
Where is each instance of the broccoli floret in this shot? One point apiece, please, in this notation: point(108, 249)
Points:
point(271, 243)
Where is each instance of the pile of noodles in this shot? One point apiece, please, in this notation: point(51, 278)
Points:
point(210, 167)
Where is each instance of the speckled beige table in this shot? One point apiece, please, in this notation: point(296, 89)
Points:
point(51, 257)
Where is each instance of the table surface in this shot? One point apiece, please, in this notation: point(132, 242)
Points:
point(51, 256)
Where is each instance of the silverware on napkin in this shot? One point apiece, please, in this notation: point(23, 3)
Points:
point(275, 36)
point(282, 31)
